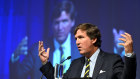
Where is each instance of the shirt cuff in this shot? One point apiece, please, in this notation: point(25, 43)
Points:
point(45, 62)
point(129, 54)
point(14, 59)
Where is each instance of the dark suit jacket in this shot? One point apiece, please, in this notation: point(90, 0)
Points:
point(112, 64)
point(31, 63)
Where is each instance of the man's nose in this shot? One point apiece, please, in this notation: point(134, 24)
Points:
point(77, 42)
point(60, 26)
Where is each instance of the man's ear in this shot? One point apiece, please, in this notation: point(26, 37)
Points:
point(94, 40)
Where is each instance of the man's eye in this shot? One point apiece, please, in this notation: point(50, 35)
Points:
point(65, 21)
point(81, 37)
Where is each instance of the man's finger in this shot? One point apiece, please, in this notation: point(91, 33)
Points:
point(122, 39)
point(48, 51)
point(123, 35)
point(121, 44)
point(129, 36)
point(40, 46)
point(40, 52)
point(24, 40)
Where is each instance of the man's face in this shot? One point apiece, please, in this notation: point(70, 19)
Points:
point(84, 43)
point(62, 26)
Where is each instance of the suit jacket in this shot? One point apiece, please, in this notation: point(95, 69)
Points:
point(108, 66)
point(30, 65)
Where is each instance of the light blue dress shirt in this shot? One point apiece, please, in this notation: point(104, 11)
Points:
point(66, 47)
point(93, 59)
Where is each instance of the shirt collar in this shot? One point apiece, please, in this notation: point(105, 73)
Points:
point(94, 56)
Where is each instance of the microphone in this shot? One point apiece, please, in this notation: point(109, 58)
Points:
point(58, 72)
point(69, 57)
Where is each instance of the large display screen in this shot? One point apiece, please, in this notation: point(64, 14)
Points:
point(23, 23)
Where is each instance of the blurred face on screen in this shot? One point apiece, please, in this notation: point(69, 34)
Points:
point(62, 26)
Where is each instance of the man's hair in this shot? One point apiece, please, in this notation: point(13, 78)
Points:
point(92, 32)
point(64, 6)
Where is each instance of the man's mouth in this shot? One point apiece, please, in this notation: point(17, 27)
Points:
point(60, 34)
point(79, 48)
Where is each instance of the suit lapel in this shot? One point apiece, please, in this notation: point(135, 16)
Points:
point(98, 64)
point(80, 67)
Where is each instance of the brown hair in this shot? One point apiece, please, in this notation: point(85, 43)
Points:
point(67, 6)
point(92, 32)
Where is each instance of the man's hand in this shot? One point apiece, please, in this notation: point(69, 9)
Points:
point(44, 56)
point(128, 42)
point(22, 47)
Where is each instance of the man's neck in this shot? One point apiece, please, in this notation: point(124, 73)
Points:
point(63, 41)
point(92, 52)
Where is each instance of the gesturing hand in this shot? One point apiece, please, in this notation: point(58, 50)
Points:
point(44, 56)
point(22, 48)
point(128, 42)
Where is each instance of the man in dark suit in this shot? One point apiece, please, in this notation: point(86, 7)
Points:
point(62, 45)
point(95, 63)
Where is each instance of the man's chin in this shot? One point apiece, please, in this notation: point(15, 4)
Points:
point(61, 39)
point(82, 53)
